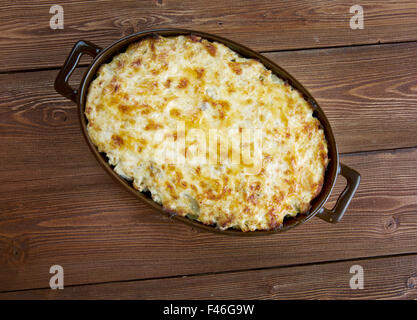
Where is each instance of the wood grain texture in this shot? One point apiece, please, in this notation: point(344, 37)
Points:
point(28, 42)
point(384, 278)
point(59, 207)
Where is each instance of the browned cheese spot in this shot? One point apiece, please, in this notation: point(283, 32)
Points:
point(235, 66)
point(211, 49)
point(152, 44)
point(167, 83)
point(152, 125)
point(117, 140)
point(194, 38)
point(183, 83)
point(199, 72)
point(318, 187)
point(175, 113)
point(171, 190)
point(137, 62)
point(124, 109)
point(274, 224)
point(120, 64)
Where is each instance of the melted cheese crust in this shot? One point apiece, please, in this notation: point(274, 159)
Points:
point(142, 93)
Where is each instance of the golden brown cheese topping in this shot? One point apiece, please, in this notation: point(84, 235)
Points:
point(172, 114)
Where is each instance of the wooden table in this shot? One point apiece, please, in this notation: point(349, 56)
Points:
point(59, 207)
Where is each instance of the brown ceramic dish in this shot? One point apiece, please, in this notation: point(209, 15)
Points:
point(102, 56)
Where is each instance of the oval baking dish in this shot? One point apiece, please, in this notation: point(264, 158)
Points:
point(103, 56)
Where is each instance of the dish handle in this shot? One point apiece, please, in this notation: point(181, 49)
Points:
point(61, 82)
point(353, 179)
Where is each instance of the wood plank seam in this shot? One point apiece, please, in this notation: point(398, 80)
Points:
point(328, 262)
point(83, 65)
point(263, 25)
point(330, 280)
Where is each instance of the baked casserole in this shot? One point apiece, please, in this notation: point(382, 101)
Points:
point(156, 109)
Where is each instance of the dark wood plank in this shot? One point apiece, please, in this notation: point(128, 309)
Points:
point(384, 278)
point(27, 41)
